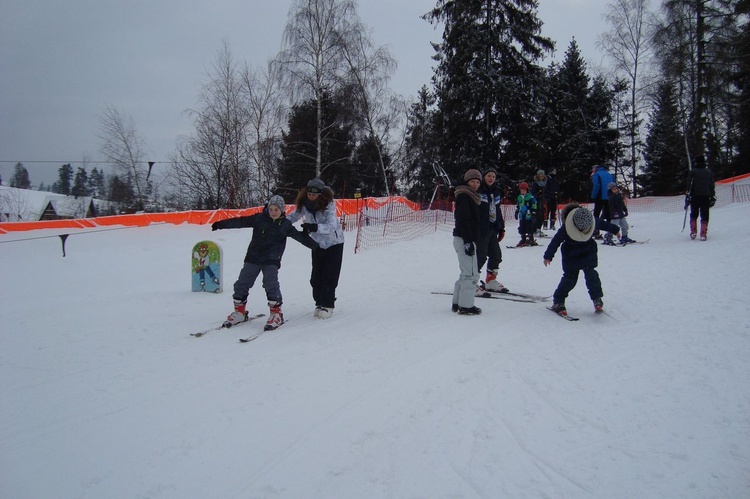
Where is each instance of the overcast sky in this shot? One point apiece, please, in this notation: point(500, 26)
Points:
point(62, 62)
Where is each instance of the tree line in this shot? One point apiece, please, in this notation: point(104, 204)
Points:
point(675, 96)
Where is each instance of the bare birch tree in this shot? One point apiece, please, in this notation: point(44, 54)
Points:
point(124, 147)
point(629, 45)
point(313, 54)
point(378, 107)
point(267, 112)
point(212, 166)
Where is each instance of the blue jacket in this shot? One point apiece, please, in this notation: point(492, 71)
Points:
point(600, 179)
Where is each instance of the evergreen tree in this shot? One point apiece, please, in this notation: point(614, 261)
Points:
point(20, 178)
point(665, 169)
point(95, 185)
point(79, 183)
point(298, 162)
point(65, 177)
point(485, 64)
point(366, 174)
point(421, 148)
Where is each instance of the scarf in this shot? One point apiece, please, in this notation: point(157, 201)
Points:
point(465, 189)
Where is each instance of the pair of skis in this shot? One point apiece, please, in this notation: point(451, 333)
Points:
point(227, 325)
point(505, 294)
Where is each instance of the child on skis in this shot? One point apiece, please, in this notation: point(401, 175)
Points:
point(526, 207)
point(270, 230)
point(619, 211)
point(579, 253)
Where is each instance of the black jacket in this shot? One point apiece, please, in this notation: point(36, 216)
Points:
point(269, 236)
point(466, 215)
point(492, 198)
point(552, 187)
point(701, 182)
point(577, 255)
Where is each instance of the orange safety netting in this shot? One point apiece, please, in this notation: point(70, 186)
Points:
point(344, 207)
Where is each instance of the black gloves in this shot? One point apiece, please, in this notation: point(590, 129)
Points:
point(469, 249)
point(712, 201)
point(515, 215)
point(500, 235)
point(217, 225)
point(310, 227)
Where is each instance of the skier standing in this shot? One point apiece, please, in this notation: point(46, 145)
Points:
point(465, 237)
point(270, 230)
point(619, 211)
point(550, 191)
point(702, 194)
point(600, 179)
point(526, 215)
point(491, 229)
point(579, 253)
point(539, 191)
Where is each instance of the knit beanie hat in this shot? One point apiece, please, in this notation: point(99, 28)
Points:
point(277, 201)
point(611, 185)
point(523, 185)
point(472, 175)
point(579, 224)
point(488, 170)
point(540, 172)
point(315, 186)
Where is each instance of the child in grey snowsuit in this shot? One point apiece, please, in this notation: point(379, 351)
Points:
point(619, 211)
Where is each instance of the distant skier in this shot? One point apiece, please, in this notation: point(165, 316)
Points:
point(702, 194)
point(526, 208)
point(600, 179)
point(619, 211)
point(579, 253)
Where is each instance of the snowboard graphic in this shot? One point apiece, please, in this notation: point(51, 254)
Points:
point(206, 267)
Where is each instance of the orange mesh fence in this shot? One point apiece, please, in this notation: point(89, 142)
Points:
point(377, 221)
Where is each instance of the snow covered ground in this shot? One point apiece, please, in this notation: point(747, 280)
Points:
point(104, 393)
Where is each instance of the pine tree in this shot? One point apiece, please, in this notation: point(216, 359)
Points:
point(20, 178)
point(664, 153)
point(421, 148)
point(79, 183)
point(486, 62)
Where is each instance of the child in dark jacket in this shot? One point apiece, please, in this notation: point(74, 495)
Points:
point(270, 230)
point(619, 211)
point(579, 252)
point(526, 207)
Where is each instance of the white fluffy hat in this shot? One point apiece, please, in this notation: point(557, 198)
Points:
point(580, 224)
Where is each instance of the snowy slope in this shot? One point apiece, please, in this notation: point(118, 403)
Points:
point(105, 394)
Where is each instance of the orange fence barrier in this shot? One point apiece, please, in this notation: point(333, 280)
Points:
point(344, 207)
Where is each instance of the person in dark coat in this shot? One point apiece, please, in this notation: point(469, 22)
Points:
point(491, 229)
point(702, 194)
point(465, 238)
point(619, 211)
point(539, 191)
point(579, 253)
point(550, 191)
point(270, 231)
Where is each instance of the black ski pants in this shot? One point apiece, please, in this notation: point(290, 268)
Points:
point(570, 279)
point(326, 269)
point(488, 247)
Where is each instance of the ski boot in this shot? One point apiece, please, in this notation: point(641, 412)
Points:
point(454, 308)
point(559, 309)
point(521, 243)
point(598, 305)
point(491, 282)
point(693, 228)
point(626, 240)
point(469, 310)
point(239, 315)
point(704, 230)
point(323, 312)
point(275, 317)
